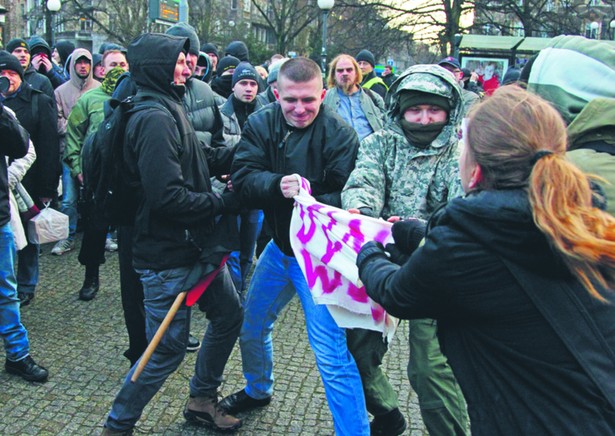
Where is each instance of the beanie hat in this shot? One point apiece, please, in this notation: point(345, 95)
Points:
point(64, 48)
point(38, 45)
point(273, 71)
point(408, 99)
point(96, 59)
point(367, 56)
point(187, 31)
point(227, 63)
point(244, 71)
point(238, 49)
point(450, 61)
point(16, 42)
point(512, 75)
point(210, 48)
point(466, 72)
point(10, 62)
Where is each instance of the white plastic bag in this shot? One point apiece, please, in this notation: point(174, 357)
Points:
point(48, 226)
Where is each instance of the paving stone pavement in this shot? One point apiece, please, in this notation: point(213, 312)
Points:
point(81, 344)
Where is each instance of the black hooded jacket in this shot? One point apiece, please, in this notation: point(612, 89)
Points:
point(518, 372)
point(176, 211)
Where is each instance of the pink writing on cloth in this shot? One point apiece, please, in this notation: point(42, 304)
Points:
point(326, 241)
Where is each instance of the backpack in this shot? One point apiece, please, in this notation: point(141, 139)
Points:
point(105, 174)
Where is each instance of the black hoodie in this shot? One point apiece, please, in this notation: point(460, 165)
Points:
point(176, 209)
point(517, 371)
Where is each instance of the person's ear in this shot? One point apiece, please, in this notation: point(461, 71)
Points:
point(277, 94)
point(476, 177)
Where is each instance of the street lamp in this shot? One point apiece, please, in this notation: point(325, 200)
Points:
point(53, 6)
point(325, 6)
point(612, 26)
point(594, 29)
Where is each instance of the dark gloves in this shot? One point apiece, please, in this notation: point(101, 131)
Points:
point(230, 203)
point(369, 251)
point(396, 255)
point(408, 234)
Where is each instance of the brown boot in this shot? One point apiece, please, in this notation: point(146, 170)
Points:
point(205, 410)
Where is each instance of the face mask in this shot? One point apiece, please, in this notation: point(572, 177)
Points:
point(421, 135)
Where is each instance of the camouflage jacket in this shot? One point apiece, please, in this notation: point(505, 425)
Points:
point(393, 177)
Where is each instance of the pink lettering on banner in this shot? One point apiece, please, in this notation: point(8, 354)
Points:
point(354, 232)
point(381, 236)
point(378, 314)
point(302, 235)
point(332, 246)
point(356, 293)
point(320, 272)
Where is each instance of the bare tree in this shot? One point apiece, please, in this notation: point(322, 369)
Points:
point(119, 19)
point(528, 17)
point(429, 21)
point(287, 19)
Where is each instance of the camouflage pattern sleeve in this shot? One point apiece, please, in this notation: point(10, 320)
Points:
point(366, 185)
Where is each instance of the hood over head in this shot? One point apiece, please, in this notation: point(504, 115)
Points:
point(38, 44)
point(152, 58)
point(65, 48)
point(76, 55)
point(429, 79)
point(186, 30)
point(570, 89)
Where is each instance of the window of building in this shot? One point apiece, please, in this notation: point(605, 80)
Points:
point(247, 5)
point(234, 4)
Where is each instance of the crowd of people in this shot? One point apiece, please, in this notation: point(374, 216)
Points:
point(501, 198)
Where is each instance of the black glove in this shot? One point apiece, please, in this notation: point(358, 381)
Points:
point(368, 251)
point(230, 203)
point(408, 234)
point(396, 255)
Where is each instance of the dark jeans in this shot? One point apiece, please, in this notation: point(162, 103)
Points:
point(225, 316)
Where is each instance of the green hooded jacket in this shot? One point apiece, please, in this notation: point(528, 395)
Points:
point(393, 177)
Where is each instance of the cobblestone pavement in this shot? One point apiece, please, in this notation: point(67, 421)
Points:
point(81, 343)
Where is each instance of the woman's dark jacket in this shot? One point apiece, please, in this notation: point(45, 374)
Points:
point(14, 145)
point(516, 373)
point(40, 119)
point(177, 210)
point(324, 153)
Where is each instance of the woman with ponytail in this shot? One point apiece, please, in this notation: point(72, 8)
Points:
point(519, 274)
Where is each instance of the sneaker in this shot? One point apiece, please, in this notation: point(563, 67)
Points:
point(242, 402)
point(391, 423)
point(111, 244)
point(27, 369)
point(193, 344)
point(205, 410)
point(63, 246)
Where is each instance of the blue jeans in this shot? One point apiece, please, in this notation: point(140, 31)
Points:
point(13, 332)
point(70, 194)
point(27, 268)
point(277, 278)
point(225, 315)
point(240, 262)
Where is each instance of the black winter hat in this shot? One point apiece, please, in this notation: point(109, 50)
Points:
point(16, 42)
point(244, 71)
point(38, 45)
point(239, 49)
point(414, 98)
point(210, 48)
point(10, 62)
point(450, 60)
point(65, 48)
point(227, 63)
point(367, 56)
point(187, 31)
